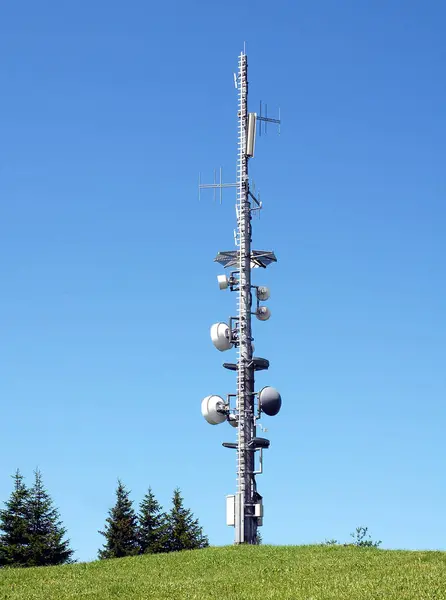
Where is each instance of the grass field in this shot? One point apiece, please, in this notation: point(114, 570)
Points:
point(241, 573)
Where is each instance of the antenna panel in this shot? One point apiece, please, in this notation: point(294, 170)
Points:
point(251, 135)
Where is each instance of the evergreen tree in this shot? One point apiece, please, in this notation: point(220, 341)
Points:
point(14, 523)
point(121, 530)
point(185, 532)
point(153, 533)
point(47, 545)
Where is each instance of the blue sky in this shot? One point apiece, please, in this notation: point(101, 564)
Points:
point(108, 112)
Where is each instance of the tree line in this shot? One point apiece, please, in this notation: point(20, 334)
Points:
point(32, 533)
point(151, 531)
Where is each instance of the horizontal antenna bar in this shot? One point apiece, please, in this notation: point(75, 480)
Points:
point(268, 120)
point(216, 185)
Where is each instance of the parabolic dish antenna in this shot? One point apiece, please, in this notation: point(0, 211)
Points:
point(270, 401)
point(263, 293)
point(263, 313)
point(210, 409)
point(220, 336)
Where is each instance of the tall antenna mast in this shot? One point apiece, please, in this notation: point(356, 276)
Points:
point(244, 510)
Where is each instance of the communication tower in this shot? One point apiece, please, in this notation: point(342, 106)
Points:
point(244, 408)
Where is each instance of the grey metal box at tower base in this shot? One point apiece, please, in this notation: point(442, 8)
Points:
point(258, 511)
point(230, 510)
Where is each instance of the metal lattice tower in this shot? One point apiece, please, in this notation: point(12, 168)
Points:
point(245, 508)
point(245, 371)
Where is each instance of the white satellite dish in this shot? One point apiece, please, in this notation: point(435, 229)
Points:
point(263, 313)
point(220, 336)
point(263, 293)
point(210, 409)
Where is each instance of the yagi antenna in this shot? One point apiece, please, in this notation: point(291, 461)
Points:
point(263, 118)
point(243, 409)
point(217, 185)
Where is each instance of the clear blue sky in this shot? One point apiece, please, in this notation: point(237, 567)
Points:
point(108, 111)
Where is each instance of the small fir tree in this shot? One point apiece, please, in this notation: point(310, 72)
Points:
point(14, 523)
point(153, 533)
point(185, 532)
point(121, 530)
point(47, 545)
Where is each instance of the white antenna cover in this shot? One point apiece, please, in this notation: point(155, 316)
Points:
point(220, 336)
point(235, 80)
point(210, 407)
point(263, 313)
point(223, 282)
point(263, 293)
point(251, 135)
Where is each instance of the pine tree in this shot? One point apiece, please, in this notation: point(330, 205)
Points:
point(121, 530)
point(153, 531)
point(47, 545)
point(185, 532)
point(14, 522)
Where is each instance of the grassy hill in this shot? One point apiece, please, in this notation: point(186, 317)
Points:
point(241, 573)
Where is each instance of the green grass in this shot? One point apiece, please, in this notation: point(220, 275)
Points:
point(241, 573)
